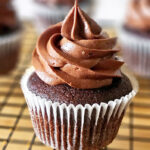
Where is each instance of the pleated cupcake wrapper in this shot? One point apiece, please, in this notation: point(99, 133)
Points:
point(10, 42)
point(40, 109)
point(136, 52)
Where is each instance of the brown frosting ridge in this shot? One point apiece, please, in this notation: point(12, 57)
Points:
point(138, 16)
point(75, 52)
point(7, 15)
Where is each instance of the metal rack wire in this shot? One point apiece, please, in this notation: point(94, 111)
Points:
point(16, 130)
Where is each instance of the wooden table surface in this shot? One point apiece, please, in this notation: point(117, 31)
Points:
point(16, 130)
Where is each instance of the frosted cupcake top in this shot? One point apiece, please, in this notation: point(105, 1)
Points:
point(77, 53)
point(138, 16)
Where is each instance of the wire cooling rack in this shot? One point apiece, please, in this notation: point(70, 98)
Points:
point(16, 130)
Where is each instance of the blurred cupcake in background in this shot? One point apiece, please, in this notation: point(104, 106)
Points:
point(51, 2)
point(76, 93)
point(49, 12)
point(10, 37)
point(135, 37)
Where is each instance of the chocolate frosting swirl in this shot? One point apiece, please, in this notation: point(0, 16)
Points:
point(75, 52)
point(8, 19)
point(138, 16)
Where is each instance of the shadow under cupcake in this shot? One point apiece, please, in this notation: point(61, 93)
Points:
point(10, 37)
point(76, 92)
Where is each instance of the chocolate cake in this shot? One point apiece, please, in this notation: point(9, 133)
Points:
point(68, 95)
point(75, 91)
point(137, 20)
point(9, 61)
point(10, 37)
point(134, 37)
point(136, 32)
point(8, 22)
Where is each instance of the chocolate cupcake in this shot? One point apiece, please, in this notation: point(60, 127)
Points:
point(135, 37)
point(10, 37)
point(49, 12)
point(76, 93)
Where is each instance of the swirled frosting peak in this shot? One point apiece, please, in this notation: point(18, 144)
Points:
point(78, 25)
point(138, 16)
point(77, 53)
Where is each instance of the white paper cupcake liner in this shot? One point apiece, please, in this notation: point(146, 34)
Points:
point(136, 52)
point(10, 42)
point(67, 127)
point(9, 51)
